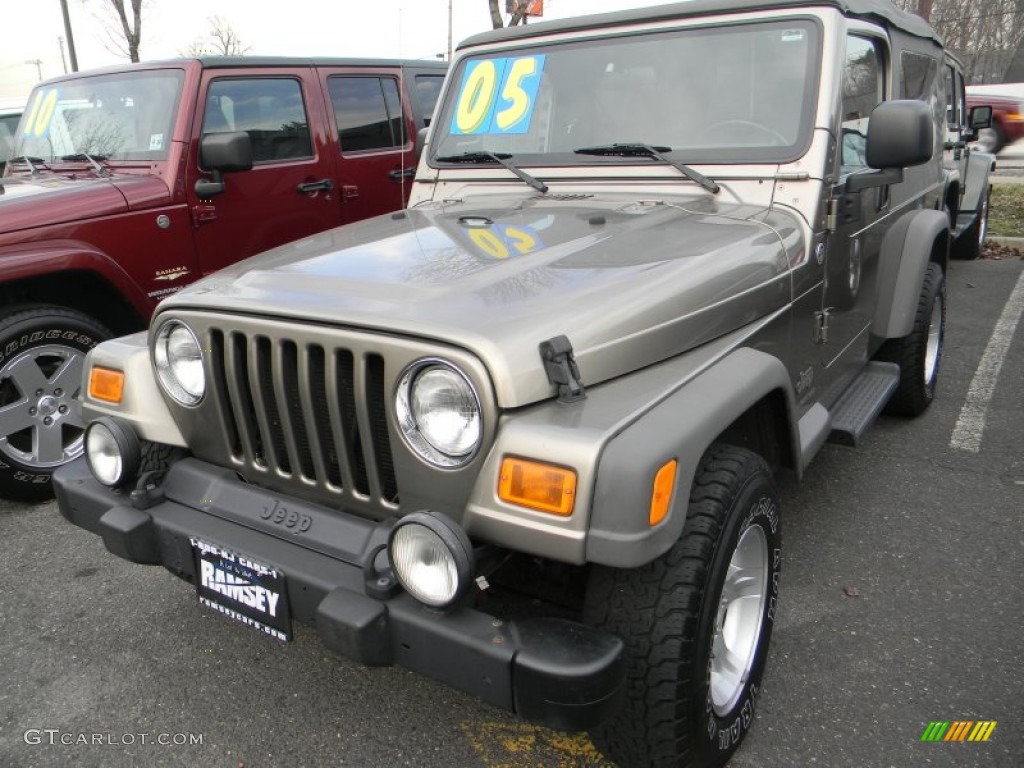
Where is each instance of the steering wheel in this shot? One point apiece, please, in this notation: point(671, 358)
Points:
point(776, 136)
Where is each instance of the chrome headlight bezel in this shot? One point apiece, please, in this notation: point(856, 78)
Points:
point(411, 422)
point(167, 369)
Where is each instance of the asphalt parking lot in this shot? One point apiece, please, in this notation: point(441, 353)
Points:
point(902, 604)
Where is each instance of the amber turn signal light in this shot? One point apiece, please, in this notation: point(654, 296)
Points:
point(661, 494)
point(532, 484)
point(106, 384)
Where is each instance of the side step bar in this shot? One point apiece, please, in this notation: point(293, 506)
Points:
point(859, 406)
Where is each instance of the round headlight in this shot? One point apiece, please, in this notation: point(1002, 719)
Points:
point(439, 413)
point(179, 362)
point(112, 451)
point(431, 557)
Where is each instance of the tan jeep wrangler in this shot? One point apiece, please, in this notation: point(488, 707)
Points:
point(651, 258)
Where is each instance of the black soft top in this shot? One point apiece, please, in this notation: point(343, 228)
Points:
point(881, 11)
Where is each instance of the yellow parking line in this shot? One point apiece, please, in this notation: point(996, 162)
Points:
point(519, 745)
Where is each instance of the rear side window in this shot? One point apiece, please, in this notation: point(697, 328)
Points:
point(368, 111)
point(428, 88)
point(918, 75)
point(270, 110)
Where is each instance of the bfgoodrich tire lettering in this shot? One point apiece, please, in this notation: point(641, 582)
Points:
point(42, 356)
point(671, 615)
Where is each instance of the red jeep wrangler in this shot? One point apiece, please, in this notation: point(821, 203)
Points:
point(126, 184)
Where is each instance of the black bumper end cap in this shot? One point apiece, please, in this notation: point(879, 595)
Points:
point(129, 533)
point(355, 626)
point(567, 675)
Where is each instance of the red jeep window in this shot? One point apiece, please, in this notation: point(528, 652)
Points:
point(270, 110)
point(368, 111)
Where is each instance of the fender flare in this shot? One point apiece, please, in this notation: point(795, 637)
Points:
point(42, 259)
point(681, 427)
point(906, 251)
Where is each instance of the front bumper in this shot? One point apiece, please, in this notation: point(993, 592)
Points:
point(555, 672)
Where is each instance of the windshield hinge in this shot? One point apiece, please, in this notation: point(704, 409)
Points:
point(832, 214)
point(560, 366)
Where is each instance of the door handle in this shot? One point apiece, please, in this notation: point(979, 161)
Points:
point(404, 173)
point(315, 186)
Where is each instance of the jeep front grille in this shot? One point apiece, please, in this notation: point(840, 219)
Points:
point(304, 415)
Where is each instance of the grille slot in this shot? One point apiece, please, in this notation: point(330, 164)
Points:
point(304, 414)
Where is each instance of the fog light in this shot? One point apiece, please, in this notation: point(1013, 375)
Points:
point(432, 558)
point(112, 451)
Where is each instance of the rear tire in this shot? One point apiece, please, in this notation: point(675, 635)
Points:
point(968, 246)
point(42, 360)
point(919, 353)
point(696, 621)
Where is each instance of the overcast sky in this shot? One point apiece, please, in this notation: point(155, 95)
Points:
point(385, 28)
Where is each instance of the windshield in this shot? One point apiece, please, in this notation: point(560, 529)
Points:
point(123, 116)
point(737, 93)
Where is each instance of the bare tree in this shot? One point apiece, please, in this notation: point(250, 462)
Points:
point(519, 8)
point(122, 20)
point(225, 40)
point(984, 34)
point(222, 40)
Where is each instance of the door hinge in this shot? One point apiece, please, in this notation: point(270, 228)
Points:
point(821, 325)
point(832, 214)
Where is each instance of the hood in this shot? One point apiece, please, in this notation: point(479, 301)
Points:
point(27, 202)
point(630, 283)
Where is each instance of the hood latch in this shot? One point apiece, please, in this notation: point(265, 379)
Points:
point(560, 366)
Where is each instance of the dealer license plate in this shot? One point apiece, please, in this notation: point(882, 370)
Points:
point(242, 589)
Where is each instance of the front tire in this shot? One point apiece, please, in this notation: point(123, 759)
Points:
point(42, 360)
point(696, 621)
point(919, 353)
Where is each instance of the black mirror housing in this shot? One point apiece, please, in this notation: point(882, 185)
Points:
point(900, 134)
point(226, 152)
point(979, 117)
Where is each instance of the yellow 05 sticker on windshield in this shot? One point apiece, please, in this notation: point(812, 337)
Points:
point(497, 95)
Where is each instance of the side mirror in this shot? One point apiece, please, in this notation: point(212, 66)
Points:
point(979, 117)
point(222, 153)
point(900, 134)
point(422, 136)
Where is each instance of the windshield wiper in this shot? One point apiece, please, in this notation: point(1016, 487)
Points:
point(29, 161)
point(501, 158)
point(657, 153)
point(93, 161)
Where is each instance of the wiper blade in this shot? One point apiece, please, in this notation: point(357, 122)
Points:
point(656, 153)
point(29, 161)
point(501, 158)
point(93, 161)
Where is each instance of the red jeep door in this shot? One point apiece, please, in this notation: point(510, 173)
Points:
point(371, 119)
point(285, 196)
